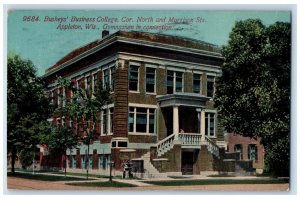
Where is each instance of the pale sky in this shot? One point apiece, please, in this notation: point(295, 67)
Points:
point(44, 44)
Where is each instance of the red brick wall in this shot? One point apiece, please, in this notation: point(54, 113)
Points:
point(121, 102)
point(234, 139)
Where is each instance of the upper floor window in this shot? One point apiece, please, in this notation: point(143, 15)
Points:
point(141, 120)
point(109, 78)
point(210, 86)
point(95, 81)
point(210, 124)
point(174, 82)
point(252, 152)
point(133, 78)
point(197, 83)
point(150, 80)
point(107, 121)
point(88, 82)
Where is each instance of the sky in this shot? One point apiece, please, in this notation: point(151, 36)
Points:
point(36, 34)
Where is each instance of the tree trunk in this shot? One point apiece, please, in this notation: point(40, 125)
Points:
point(65, 163)
point(13, 158)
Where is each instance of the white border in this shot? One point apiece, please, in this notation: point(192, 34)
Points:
point(213, 4)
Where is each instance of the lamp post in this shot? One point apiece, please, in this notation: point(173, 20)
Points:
point(110, 169)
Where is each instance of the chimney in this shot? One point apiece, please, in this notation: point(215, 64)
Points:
point(105, 33)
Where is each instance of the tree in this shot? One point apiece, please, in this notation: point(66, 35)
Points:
point(83, 108)
point(59, 139)
point(27, 106)
point(253, 93)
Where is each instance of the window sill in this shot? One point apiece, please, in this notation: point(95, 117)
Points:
point(134, 91)
point(109, 134)
point(151, 93)
point(139, 133)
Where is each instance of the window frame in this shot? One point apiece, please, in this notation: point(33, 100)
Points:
point(155, 69)
point(213, 82)
point(138, 77)
point(174, 90)
point(200, 82)
point(134, 112)
point(108, 120)
point(207, 123)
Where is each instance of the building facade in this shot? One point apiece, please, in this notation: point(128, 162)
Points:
point(162, 113)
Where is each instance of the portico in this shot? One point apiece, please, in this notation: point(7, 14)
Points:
point(188, 113)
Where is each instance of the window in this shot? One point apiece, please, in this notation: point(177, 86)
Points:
point(88, 82)
point(61, 95)
point(210, 124)
point(90, 161)
point(109, 78)
point(197, 83)
point(170, 80)
point(74, 161)
point(106, 78)
point(100, 166)
point(107, 121)
point(141, 120)
point(111, 120)
point(112, 77)
point(104, 123)
point(133, 78)
point(95, 81)
point(239, 149)
point(83, 160)
point(107, 157)
point(210, 86)
point(104, 160)
point(150, 80)
point(252, 152)
point(174, 82)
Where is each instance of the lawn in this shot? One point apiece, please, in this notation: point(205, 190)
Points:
point(43, 177)
point(101, 184)
point(217, 182)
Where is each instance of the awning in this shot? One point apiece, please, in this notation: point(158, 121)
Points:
point(182, 99)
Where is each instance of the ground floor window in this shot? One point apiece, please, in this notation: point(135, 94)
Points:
point(238, 148)
point(252, 152)
point(104, 160)
point(141, 120)
point(83, 165)
point(210, 124)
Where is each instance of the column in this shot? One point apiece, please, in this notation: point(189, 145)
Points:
point(175, 122)
point(202, 125)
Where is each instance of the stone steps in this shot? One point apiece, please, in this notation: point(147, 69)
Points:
point(150, 170)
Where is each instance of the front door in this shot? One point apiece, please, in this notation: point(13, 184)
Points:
point(187, 163)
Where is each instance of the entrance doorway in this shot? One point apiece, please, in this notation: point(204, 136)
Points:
point(187, 163)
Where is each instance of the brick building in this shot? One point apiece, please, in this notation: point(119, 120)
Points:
point(162, 112)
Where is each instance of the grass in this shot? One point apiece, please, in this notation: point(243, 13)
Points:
point(102, 184)
point(217, 182)
point(43, 177)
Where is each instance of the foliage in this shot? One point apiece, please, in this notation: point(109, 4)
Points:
point(83, 108)
point(253, 94)
point(27, 106)
point(85, 105)
point(26, 158)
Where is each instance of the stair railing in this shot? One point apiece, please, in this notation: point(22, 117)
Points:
point(212, 147)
